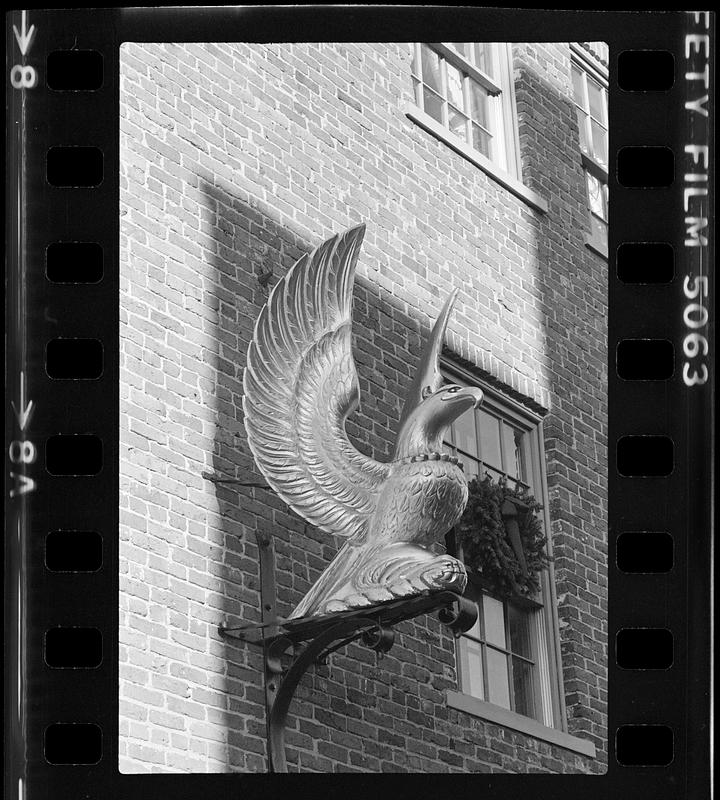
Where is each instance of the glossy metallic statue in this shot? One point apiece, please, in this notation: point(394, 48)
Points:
point(300, 386)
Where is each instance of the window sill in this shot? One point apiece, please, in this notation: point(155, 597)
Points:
point(519, 189)
point(509, 719)
point(597, 246)
point(595, 167)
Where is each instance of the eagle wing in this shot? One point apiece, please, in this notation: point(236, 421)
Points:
point(301, 384)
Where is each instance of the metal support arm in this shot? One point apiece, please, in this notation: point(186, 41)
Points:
point(289, 681)
point(312, 639)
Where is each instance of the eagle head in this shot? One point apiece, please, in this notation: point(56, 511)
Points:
point(425, 428)
point(431, 407)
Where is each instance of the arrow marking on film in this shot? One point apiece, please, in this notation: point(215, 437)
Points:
point(24, 38)
point(25, 412)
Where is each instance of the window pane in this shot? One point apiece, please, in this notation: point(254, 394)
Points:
point(454, 87)
point(490, 439)
point(520, 448)
point(599, 229)
point(523, 688)
point(494, 619)
point(481, 57)
point(582, 128)
point(464, 431)
point(578, 89)
point(463, 48)
point(479, 104)
point(414, 65)
point(477, 53)
point(498, 681)
point(471, 467)
point(596, 196)
point(457, 123)
point(471, 673)
point(431, 68)
point(519, 627)
point(433, 104)
point(512, 452)
point(481, 140)
point(599, 143)
point(596, 100)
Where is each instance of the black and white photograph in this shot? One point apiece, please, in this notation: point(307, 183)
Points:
point(363, 407)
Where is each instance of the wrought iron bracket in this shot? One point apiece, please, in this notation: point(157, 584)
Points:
point(310, 640)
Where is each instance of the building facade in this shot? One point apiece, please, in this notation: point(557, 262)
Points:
point(477, 166)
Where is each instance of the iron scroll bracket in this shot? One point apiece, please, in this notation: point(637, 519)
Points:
point(310, 640)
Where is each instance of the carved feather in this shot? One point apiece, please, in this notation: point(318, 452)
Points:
point(301, 384)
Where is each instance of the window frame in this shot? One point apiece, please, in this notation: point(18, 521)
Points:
point(592, 167)
point(548, 629)
point(502, 85)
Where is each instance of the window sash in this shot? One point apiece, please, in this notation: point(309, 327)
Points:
point(541, 710)
point(484, 77)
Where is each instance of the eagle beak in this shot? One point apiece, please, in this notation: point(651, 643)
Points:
point(475, 393)
point(467, 393)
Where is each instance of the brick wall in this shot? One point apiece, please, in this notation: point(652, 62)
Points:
point(235, 160)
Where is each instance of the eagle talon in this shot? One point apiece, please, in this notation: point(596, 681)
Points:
point(379, 594)
point(333, 606)
point(401, 588)
point(358, 601)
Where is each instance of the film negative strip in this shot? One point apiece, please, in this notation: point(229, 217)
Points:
point(201, 556)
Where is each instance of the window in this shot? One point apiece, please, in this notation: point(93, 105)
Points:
point(508, 658)
point(590, 94)
point(465, 87)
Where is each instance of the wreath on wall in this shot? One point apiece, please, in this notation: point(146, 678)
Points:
point(502, 539)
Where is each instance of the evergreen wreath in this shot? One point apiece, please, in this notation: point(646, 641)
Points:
point(486, 547)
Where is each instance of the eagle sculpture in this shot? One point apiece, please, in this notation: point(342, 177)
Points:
point(300, 385)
